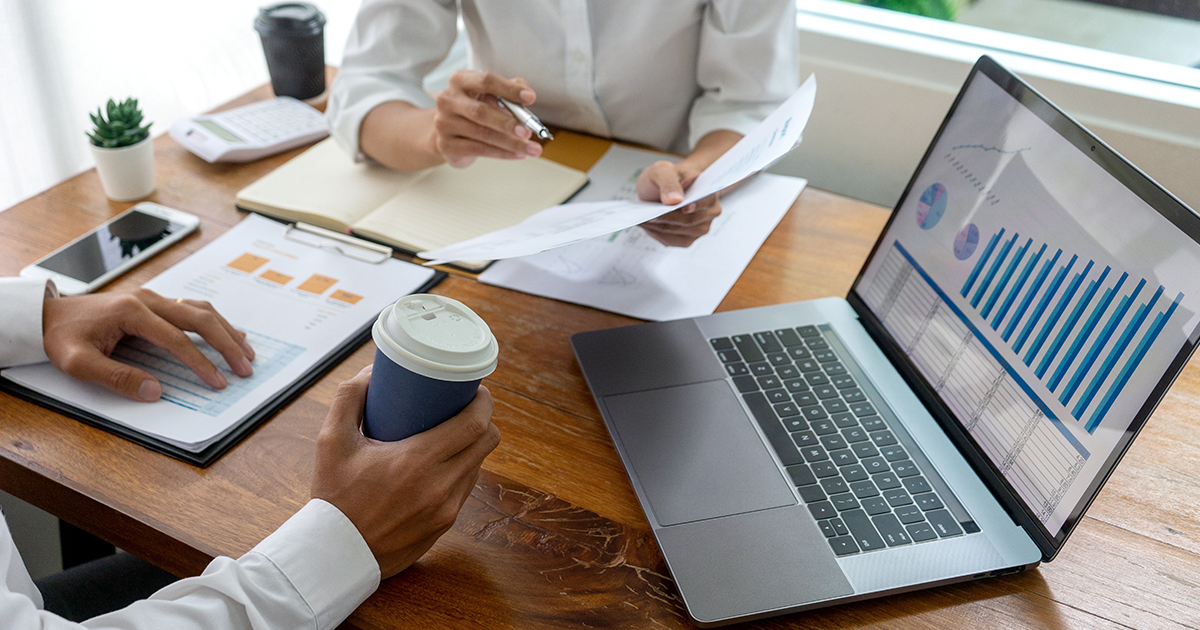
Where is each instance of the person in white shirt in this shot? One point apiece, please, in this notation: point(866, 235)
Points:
point(688, 76)
point(376, 507)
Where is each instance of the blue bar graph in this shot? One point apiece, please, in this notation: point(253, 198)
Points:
point(1139, 353)
point(1088, 327)
point(1003, 284)
point(1139, 316)
point(1041, 307)
point(1050, 314)
point(1105, 334)
point(983, 258)
point(1037, 285)
point(1012, 295)
point(1069, 326)
point(1057, 312)
point(991, 274)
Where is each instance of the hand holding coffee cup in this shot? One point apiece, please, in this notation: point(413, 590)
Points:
point(431, 353)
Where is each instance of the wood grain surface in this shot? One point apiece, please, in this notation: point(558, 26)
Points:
point(552, 535)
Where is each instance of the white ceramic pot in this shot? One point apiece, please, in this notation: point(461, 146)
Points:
point(127, 173)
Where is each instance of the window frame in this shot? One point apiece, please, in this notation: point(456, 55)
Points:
point(890, 77)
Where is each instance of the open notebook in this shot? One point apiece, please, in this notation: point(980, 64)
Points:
point(410, 211)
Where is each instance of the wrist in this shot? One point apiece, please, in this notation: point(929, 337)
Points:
point(429, 148)
point(400, 136)
point(50, 296)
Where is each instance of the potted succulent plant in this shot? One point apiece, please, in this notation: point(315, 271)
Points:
point(123, 150)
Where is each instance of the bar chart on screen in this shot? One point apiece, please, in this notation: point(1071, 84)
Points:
point(1029, 442)
point(1082, 327)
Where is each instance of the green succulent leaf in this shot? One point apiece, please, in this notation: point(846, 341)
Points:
point(118, 124)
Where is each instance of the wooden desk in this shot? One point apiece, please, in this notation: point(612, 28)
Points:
point(552, 535)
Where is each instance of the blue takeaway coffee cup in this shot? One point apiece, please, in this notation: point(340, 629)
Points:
point(431, 352)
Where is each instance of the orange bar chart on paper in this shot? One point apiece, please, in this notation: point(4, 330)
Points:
point(247, 262)
point(271, 275)
point(317, 284)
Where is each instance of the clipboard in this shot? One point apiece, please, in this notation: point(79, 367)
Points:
point(44, 386)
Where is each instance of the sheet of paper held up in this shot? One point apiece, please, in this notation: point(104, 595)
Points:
point(630, 273)
point(297, 303)
point(573, 222)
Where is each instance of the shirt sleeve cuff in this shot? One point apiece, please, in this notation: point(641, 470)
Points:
point(326, 559)
point(21, 310)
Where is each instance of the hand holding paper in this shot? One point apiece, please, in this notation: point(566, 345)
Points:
point(569, 223)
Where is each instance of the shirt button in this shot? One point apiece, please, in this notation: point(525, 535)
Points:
point(580, 57)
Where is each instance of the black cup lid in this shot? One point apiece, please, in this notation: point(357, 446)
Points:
point(290, 19)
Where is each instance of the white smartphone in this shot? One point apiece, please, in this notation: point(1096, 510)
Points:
point(96, 258)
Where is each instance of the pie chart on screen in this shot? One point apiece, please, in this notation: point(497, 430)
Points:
point(931, 206)
point(966, 241)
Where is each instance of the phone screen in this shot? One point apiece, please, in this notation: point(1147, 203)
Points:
point(110, 246)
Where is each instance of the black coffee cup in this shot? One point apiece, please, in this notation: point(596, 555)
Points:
point(293, 40)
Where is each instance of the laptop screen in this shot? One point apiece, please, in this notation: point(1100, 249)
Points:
point(1047, 303)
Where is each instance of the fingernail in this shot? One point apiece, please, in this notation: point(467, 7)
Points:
point(527, 96)
point(367, 370)
point(533, 148)
point(149, 391)
point(245, 368)
point(674, 198)
point(221, 382)
point(247, 350)
point(522, 132)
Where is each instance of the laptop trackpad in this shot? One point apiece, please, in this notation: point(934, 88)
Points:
point(695, 453)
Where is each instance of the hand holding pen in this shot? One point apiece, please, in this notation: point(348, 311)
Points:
point(526, 117)
point(470, 122)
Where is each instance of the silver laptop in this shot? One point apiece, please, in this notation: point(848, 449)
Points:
point(1027, 306)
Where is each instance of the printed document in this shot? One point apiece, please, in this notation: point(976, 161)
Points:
point(628, 272)
point(297, 303)
point(573, 222)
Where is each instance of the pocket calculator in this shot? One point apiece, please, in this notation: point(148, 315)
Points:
point(252, 131)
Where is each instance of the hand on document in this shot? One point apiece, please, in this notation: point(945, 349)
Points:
point(402, 496)
point(79, 333)
point(665, 183)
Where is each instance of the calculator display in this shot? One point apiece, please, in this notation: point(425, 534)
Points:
point(221, 132)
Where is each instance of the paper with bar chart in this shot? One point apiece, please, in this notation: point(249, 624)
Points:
point(297, 303)
point(1040, 298)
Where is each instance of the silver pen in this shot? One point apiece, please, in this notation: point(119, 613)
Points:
point(527, 118)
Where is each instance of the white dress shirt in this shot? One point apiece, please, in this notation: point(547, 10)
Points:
point(660, 73)
point(311, 573)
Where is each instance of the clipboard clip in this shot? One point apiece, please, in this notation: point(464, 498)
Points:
point(343, 244)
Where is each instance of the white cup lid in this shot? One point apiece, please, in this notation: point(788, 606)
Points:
point(438, 337)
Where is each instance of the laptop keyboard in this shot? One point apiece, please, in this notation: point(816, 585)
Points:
point(859, 481)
